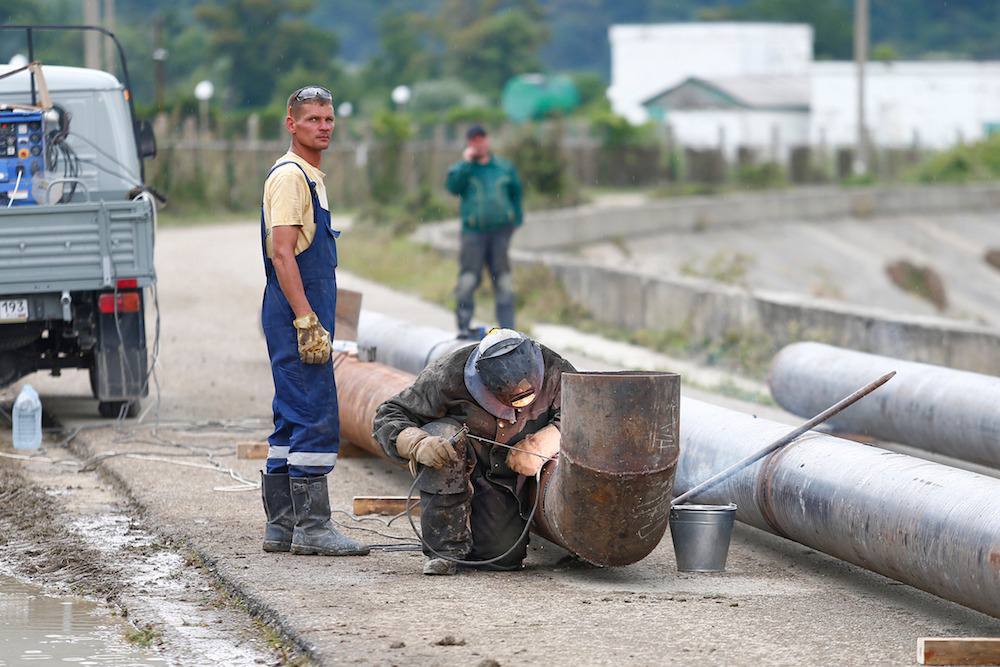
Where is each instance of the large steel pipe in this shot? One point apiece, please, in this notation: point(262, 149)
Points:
point(931, 526)
point(606, 498)
point(408, 347)
point(933, 408)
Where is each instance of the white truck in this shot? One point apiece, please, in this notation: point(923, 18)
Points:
point(77, 226)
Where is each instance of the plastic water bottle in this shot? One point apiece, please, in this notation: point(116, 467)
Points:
point(27, 418)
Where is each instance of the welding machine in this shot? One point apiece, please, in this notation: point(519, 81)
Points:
point(22, 154)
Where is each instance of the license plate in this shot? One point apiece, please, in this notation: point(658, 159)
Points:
point(13, 310)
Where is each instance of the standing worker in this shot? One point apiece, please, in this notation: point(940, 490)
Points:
point(474, 493)
point(300, 299)
point(490, 193)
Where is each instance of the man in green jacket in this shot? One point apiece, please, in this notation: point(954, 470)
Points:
point(490, 193)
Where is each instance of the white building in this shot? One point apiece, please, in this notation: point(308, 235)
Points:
point(756, 85)
point(931, 104)
point(648, 59)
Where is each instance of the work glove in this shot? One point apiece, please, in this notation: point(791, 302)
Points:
point(533, 452)
point(314, 340)
point(419, 446)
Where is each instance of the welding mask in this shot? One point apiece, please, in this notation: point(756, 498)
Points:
point(510, 366)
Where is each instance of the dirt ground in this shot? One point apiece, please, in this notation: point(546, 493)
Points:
point(778, 602)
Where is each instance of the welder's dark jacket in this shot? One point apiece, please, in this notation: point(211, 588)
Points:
point(440, 392)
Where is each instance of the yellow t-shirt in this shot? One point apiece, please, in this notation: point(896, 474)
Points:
point(287, 200)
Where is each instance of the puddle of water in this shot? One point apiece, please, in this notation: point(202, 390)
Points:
point(39, 628)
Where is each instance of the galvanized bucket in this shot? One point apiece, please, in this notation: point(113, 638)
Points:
point(701, 535)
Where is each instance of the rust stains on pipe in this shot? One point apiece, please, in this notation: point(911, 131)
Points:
point(607, 497)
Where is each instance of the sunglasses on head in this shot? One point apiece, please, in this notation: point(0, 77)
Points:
point(313, 93)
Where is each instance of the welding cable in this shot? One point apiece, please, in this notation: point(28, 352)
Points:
point(17, 184)
point(527, 525)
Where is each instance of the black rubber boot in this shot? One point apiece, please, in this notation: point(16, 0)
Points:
point(444, 525)
point(277, 496)
point(314, 533)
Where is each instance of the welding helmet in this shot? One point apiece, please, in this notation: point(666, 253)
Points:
point(510, 366)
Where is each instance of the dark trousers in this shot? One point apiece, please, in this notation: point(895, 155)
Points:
point(490, 249)
point(465, 515)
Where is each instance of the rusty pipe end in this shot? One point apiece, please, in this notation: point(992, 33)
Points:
point(609, 497)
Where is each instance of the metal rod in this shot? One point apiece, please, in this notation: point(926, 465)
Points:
point(31, 59)
point(784, 440)
point(931, 408)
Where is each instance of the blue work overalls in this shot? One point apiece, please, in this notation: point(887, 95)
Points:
point(306, 435)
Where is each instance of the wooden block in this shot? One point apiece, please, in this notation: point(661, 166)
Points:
point(251, 450)
point(387, 505)
point(958, 650)
point(347, 315)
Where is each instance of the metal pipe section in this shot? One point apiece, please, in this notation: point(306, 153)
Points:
point(607, 497)
point(931, 526)
point(932, 408)
point(403, 345)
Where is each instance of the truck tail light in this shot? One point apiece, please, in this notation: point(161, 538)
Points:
point(128, 283)
point(127, 302)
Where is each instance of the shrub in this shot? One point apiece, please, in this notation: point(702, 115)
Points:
point(972, 162)
point(761, 176)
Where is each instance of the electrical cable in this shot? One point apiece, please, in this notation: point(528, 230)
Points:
point(17, 184)
point(527, 525)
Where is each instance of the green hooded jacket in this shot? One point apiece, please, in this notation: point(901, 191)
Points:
point(490, 194)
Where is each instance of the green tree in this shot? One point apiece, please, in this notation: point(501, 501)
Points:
point(408, 51)
point(832, 21)
point(490, 41)
point(257, 39)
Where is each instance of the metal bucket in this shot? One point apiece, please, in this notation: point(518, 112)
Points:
point(701, 535)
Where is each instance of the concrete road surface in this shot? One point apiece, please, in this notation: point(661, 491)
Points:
point(778, 602)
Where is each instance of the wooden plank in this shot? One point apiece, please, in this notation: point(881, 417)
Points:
point(251, 450)
point(386, 505)
point(958, 650)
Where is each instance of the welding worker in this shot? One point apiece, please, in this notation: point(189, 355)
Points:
point(300, 298)
point(474, 495)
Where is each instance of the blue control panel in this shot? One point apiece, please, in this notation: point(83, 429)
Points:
point(22, 155)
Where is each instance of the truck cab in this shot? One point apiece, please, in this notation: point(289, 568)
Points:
point(77, 231)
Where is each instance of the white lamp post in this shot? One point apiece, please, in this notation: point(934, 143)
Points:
point(203, 92)
point(401, 95)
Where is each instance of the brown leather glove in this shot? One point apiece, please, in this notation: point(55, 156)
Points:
point(314, 340)
point(535, 450)
point(420, 446)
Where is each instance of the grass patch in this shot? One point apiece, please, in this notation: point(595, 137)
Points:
point(143, 637)
point(921, 281)
point(723, 266)
point(377, 254)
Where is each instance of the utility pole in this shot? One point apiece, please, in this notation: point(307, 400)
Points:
point(91, 39)
point(159, 60)
point(861, 156)
point(110, 55)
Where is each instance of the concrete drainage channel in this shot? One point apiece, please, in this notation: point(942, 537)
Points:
point(72, 533)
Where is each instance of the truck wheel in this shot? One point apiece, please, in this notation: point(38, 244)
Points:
point(112, 409)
